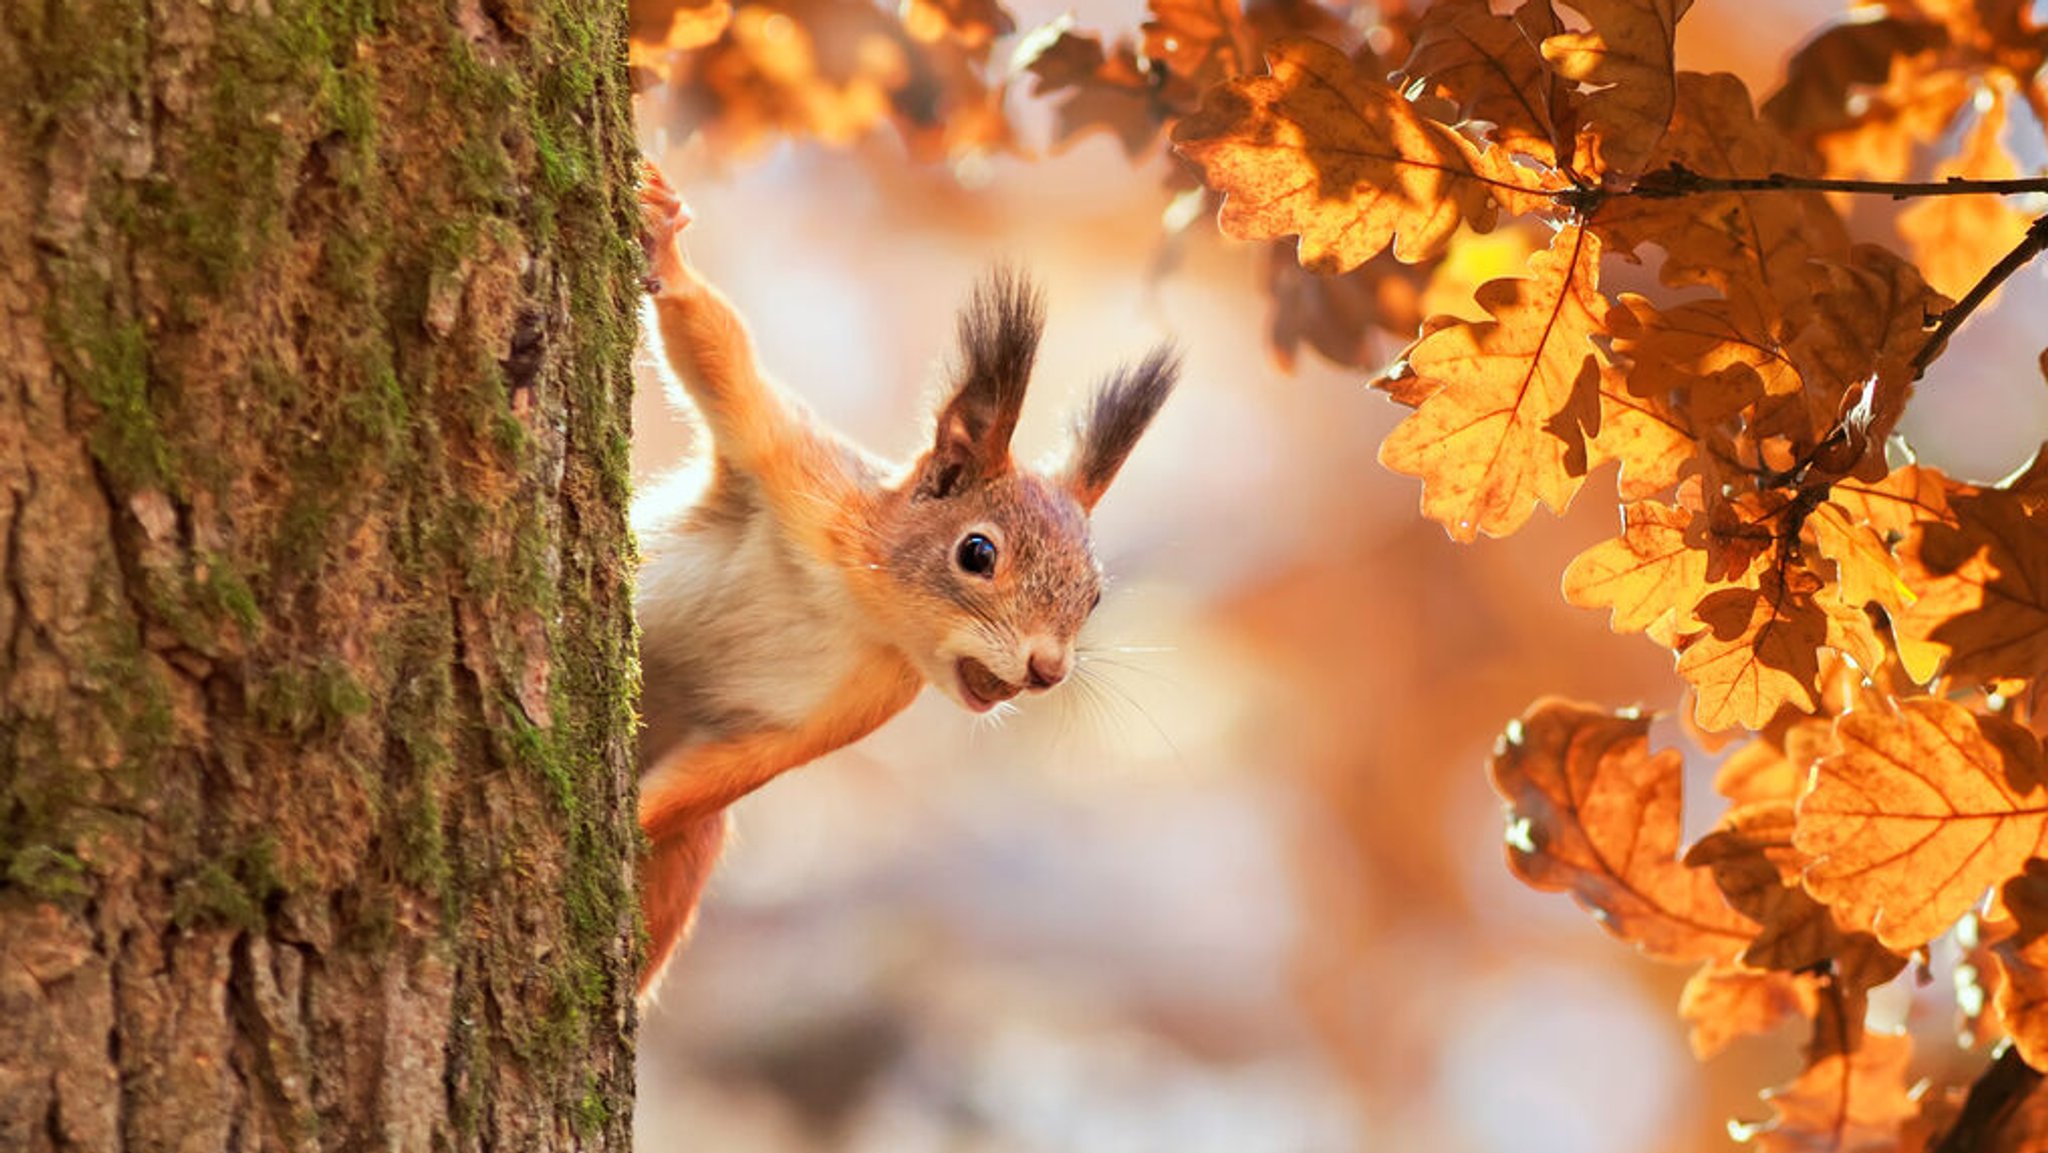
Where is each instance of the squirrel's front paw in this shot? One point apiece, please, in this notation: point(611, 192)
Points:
point(663, 216)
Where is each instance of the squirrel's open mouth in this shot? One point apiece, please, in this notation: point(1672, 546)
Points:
point(983, 689)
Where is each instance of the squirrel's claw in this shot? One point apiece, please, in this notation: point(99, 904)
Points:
point(663, 216)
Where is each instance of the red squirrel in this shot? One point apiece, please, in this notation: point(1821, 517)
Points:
point(796, 591)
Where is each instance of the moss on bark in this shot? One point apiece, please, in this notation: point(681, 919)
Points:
point(316, 694)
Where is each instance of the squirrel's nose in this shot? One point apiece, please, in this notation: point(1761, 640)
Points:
point(1049, 668)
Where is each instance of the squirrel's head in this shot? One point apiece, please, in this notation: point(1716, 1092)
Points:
point(994, 556)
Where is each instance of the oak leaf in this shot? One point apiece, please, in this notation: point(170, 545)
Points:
point(1322, 148)
point(1698, 351)
point(1753, 859)
point(1918, 814)
point(1853, 1096)
point(2022, 997)
point(1750, 246)
point(1510, 402)
point(1645, 575)
point(1489, 67)
point(1774, 766)
point(1981, 585)
point(1341, 317)
point(1103, 89)
point(1592, 811)
point(1627, 56)
point(1723, 1001)
point(1759, 652)
point(1956, 238)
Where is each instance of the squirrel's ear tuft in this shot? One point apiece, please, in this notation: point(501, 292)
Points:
point(1110, 426)
point(999, 332)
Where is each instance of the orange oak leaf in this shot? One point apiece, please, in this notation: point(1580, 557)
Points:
point(1759, 653)
point(1645, 575)
point(1981, 585)
point(1626, 55)
point(1853, 1096)
point(1774, 766)
point(1510, 402)
point(1865, 572)
point(1751, 246)
point(1842, 64)
point(1592, 811)
point(1100, 89)
point(1752, 857)
point(1723, 1001)
point(1490, 69)
point(1906, 496)
point(1919, 812)
point(1323, 149)
point(1341, 317)
point(1698, 351)
point(1201, 42)
point(1648, 436)
point(2022, 997)
point(1956, 238)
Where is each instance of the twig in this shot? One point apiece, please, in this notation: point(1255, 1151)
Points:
point(1677, 180)
point(1995, 1094)
point(2031, 245)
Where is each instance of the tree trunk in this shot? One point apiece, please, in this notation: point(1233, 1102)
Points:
point(316, 661)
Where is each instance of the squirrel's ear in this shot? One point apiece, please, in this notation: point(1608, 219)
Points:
point(999, 332)
point(1111, 424)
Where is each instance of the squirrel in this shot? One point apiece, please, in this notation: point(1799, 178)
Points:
point(795, 591)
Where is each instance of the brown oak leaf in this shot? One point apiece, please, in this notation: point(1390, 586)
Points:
point(1920, 812)
point(1981, 585)
point(2022, 997)
point(1759, 652)
point(1490, 68)
point(1626, 56)
point(1954, 239)
point(1853, 1096)
point(1592, 811)
point(1753, 859)
point(1723, 1001)
point(1324, 149)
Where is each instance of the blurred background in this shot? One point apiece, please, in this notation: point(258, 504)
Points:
point(1243, 891)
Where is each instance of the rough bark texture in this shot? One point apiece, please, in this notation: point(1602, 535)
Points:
point(315, 647)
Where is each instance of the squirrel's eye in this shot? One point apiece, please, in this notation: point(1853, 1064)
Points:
point(977, 554)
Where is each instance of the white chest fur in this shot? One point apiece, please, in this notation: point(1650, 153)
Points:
point(740, 630)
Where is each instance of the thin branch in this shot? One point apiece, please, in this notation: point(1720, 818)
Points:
point(1677, 180)
point(2000, 1089)
point(2031, 245)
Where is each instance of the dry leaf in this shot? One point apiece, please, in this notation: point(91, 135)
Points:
point(1323, 149)
point(1593, 812)
point(2022, 997)
point(1956, 239)
point(1981, 585)
point(1852, 1098)
point(1759, 653)
point(1753, 859)
point(1646, 574)
point(1510, 402)
point(1919, 813)
point(1490, 69)
point(1627, 57)
point(1723, 1001)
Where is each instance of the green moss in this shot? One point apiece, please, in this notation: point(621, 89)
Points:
point(107, 356)
point(302, 703)
point(232, 888)
point(49, 873)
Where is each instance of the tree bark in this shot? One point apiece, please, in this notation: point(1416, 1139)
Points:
point(316, 656)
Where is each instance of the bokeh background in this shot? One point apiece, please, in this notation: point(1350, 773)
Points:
point(1243, 890)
